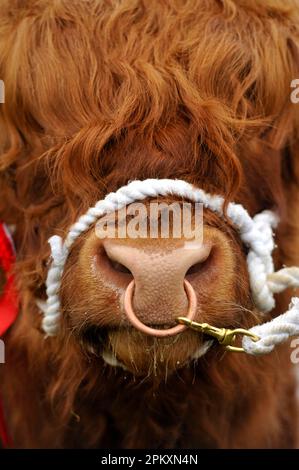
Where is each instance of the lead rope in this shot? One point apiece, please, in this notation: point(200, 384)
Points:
point(256, 233)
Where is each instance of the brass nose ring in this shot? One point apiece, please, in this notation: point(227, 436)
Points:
point(153, 331)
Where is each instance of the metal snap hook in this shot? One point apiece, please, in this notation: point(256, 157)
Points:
point(225, 336)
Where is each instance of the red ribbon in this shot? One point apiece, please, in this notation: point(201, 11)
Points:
point(9, 298)
point(8, 306)
point(5, 440)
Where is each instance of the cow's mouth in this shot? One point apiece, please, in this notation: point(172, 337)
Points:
point(131, 350)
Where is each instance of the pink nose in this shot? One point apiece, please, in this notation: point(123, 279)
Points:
point(159, 292)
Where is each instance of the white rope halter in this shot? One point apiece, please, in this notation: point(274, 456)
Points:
point(256, 233)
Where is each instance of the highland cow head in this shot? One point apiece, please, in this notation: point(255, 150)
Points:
point(100, 94)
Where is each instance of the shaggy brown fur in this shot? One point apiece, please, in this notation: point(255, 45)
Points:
point(101, 92)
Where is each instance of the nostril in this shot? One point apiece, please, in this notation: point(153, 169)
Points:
point(121, 268)
point(198, 267)
point(194, 269)
point(113, 268)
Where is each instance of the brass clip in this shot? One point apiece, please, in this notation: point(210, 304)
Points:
point(225, 336)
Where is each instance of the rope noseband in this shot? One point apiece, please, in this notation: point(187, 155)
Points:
point(256, 233)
